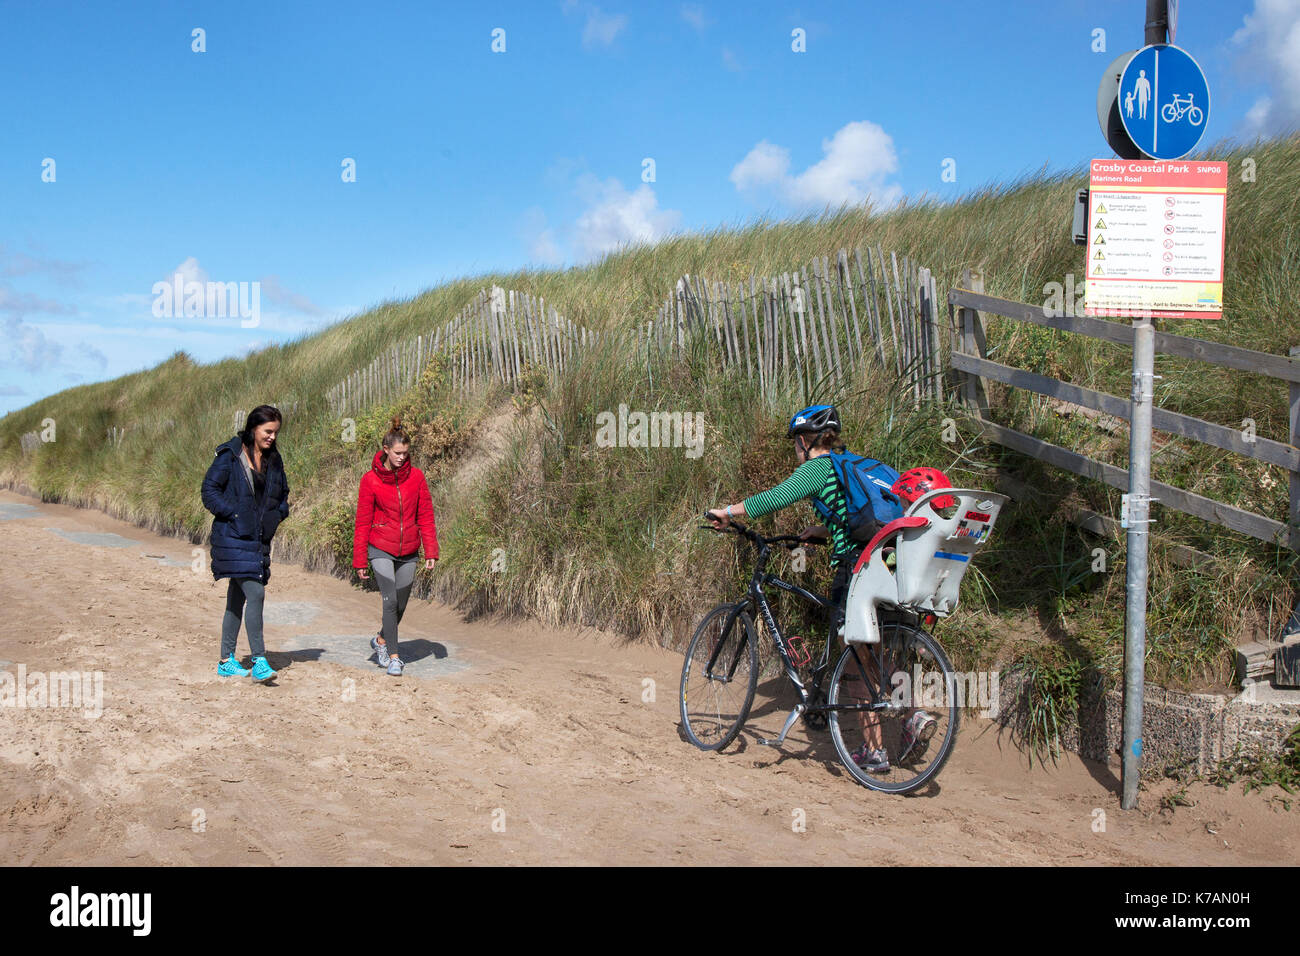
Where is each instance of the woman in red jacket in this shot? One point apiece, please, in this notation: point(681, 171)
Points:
point(394, 516)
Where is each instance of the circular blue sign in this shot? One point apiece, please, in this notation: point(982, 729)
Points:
point(1164, 101)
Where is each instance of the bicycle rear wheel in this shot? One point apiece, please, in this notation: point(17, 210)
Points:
point(719, 677)
point(917, 679)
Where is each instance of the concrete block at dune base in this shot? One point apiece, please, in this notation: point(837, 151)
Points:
point(1180, 732)
point(1092, 733)
point(1192, 731)
point(1260, 717)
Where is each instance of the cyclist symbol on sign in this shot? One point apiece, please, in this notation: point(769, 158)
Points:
point(1181, 105)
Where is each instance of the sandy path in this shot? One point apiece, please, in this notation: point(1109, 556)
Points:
point(543, 731)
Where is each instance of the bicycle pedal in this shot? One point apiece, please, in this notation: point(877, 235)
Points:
point(789, 722)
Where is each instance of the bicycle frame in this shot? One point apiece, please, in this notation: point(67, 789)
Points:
point(809, 696)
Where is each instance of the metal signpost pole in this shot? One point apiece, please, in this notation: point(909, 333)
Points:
point(1137, 522)
point(1138, 510)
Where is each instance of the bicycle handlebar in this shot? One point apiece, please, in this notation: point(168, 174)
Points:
point(789, 540)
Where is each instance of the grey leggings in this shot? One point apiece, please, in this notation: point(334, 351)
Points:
point(394, 576)
point(253, 592)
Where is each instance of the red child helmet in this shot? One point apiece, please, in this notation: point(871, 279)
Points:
point(915, 482)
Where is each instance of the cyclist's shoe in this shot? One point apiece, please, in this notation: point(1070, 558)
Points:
point(872, 761)
point(261, 669)
point(394, 667)
point(918, 728)
point(381, 651)
point(231, 668)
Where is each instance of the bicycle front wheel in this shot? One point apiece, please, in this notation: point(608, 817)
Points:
point(918, 727)
point(719, 677)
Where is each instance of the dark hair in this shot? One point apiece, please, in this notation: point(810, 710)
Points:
point(397, 433)
point(826, 438)
point(260, 416)
point(830, 438)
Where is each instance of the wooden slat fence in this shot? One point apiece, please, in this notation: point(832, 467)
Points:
point(492, 339)
point(814, 325)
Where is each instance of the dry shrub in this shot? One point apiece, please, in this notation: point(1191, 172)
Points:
point(438, 445)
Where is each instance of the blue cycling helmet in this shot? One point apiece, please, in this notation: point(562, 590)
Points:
point(814, 419)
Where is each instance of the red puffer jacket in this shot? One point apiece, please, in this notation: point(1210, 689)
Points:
point(394, 512)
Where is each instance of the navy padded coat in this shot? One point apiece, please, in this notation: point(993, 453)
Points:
point(243, 527)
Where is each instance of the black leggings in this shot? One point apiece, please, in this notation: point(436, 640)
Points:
point(840, 584)
point(244, 599)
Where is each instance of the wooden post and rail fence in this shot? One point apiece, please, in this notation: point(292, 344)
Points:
point(970, 360)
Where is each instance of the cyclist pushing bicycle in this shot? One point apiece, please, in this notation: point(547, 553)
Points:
point(815, 432)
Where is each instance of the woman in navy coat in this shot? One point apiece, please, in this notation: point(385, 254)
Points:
point(247, 492)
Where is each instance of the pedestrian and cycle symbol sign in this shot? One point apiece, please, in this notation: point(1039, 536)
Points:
point(1164, 101)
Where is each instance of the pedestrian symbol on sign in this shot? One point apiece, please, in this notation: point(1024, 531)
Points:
point(1142, 89)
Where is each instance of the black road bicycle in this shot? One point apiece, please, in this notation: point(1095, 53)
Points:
point(871, 691)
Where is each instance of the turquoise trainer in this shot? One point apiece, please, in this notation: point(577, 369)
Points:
point(231, 668)
point(261, 669)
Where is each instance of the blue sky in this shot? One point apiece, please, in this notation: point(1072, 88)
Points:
point(227, 164)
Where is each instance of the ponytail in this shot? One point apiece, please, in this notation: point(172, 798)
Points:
point(397, 433)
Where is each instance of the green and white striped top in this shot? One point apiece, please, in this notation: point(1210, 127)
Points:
point(815, 478)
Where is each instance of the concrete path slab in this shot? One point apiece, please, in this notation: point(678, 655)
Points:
point(290, 613)
point(10, 510)
point(96, 539)
point(422, 657)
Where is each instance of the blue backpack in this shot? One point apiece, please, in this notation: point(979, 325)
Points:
point(870, 503)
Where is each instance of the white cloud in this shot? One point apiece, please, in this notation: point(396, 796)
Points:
point(190, 271)
point(764, 165)
point(28, 347)
point(93, 354)
point(858, 160)
point(539, 237)
point(615, 217)
point(279, 295)
point(730, 60)
point(19, 304)
point(544, 248)
point(14, 264)
point(694, 14)
point(601, 28)
point(1269, 40)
